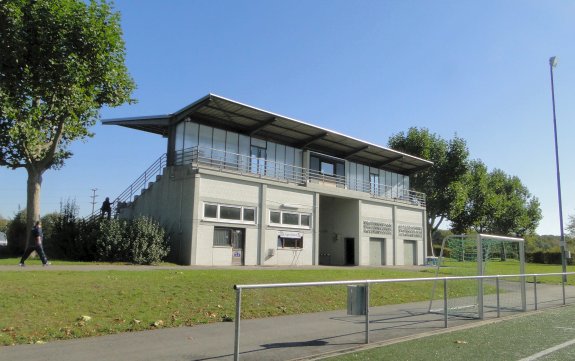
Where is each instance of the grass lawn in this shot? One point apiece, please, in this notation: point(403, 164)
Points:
point(42, 305)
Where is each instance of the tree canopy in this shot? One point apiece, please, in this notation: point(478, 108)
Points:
point(442, 183)
point(496, 203)
point(464, 192)
point(62, 61)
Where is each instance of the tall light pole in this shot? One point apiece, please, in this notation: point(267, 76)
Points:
point(553, 64)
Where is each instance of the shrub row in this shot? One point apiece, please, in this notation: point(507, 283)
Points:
point(138, 241)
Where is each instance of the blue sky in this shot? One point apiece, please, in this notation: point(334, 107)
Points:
point(368, 69)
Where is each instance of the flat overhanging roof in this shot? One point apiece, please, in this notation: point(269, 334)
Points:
point(223, 113)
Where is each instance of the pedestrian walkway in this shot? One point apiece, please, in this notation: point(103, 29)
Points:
point(298, 337)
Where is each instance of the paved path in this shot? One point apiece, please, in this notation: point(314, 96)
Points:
point(276, 338)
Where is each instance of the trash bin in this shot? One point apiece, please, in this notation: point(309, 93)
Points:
point(356, 300)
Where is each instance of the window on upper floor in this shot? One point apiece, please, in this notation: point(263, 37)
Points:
point(290, 219)
point(228, 213)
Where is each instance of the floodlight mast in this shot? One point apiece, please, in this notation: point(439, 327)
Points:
point(553, 64)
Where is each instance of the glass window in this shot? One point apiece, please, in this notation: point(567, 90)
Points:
point(234, 213)
point(222, 237)
point(210, 211)
point(290, 218)
point(275, 217)
point(180, 128)
point(249, 214)
point(305, 220)
point(314, 163)
point(191, 135)
point(327, 168)
point(290, 242)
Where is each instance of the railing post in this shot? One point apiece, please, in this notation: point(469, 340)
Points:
point(367, 312)
point(445, 302)
point(498, 304)
point(535, 290)
point(237, 324)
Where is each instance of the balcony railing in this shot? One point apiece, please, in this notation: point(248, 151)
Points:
point(221, 160)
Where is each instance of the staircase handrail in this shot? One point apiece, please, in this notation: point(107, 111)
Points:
point(141, 182)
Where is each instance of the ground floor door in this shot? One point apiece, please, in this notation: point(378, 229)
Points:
point(238, 241)
point(377, 251)
point(410, 253)
point(350, 251)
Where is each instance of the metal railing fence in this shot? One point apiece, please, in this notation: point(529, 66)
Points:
point(366, 283)
point(263, 168)
point(140, 183)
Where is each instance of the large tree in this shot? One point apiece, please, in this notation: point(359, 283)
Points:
point(442, 182)
point(61, 61)
point(496, 203)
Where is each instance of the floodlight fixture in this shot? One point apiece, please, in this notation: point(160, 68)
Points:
point(553, 61)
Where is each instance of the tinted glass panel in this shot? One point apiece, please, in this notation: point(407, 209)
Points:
point(230, 213)
point(305, 220)
point(290, 218)
point(211, 211)
point(249, 214)
point(274, 217)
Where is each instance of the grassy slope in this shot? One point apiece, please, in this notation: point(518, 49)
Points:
point(43, 306)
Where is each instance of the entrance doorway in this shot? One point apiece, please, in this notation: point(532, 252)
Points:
point(234, 238)
point(350, 251)
point(237, 238)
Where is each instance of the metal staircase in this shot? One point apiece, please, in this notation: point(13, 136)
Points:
point(144, 181)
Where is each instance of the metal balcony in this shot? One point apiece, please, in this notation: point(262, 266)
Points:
point(220, 160)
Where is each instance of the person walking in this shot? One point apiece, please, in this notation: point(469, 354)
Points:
point(35, 244)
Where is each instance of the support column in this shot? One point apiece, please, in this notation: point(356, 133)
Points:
point(315, 252)
point(263, 223)
point(196, 215)
point(394, 233)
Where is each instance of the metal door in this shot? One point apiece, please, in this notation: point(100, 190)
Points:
point(410, 253)
point(237, 240)
point(377, 251)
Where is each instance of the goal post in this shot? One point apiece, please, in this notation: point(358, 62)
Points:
point(472, 255)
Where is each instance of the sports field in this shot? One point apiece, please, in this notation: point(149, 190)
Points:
point(546, 335)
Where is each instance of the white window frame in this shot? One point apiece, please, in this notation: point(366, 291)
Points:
point(218, 218)
point(281, 224)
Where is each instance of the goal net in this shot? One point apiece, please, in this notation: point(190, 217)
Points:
point(480, 255)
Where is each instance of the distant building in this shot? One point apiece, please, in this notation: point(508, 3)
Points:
point(243, 186)
point(3, 239)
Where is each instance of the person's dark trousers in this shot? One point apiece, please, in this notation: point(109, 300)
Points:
point(39, 249)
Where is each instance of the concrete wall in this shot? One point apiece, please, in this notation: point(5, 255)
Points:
point(169, 200)
point(176, 200)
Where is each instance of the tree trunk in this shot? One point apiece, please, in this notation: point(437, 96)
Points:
point(430, 251)
point(33, 199)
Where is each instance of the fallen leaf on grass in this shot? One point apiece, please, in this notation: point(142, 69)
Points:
point(158, 323)
point(84, 318)
point(461, 342)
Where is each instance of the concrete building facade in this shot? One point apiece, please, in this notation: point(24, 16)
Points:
point(243, 186)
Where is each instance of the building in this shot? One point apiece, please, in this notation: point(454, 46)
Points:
point(243, 186)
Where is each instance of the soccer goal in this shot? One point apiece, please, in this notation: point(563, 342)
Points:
point(479, 255)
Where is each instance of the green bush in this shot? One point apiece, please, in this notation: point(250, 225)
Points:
point(67, 236)
point(16, 233)
point(140, 241)
point(148, 241)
